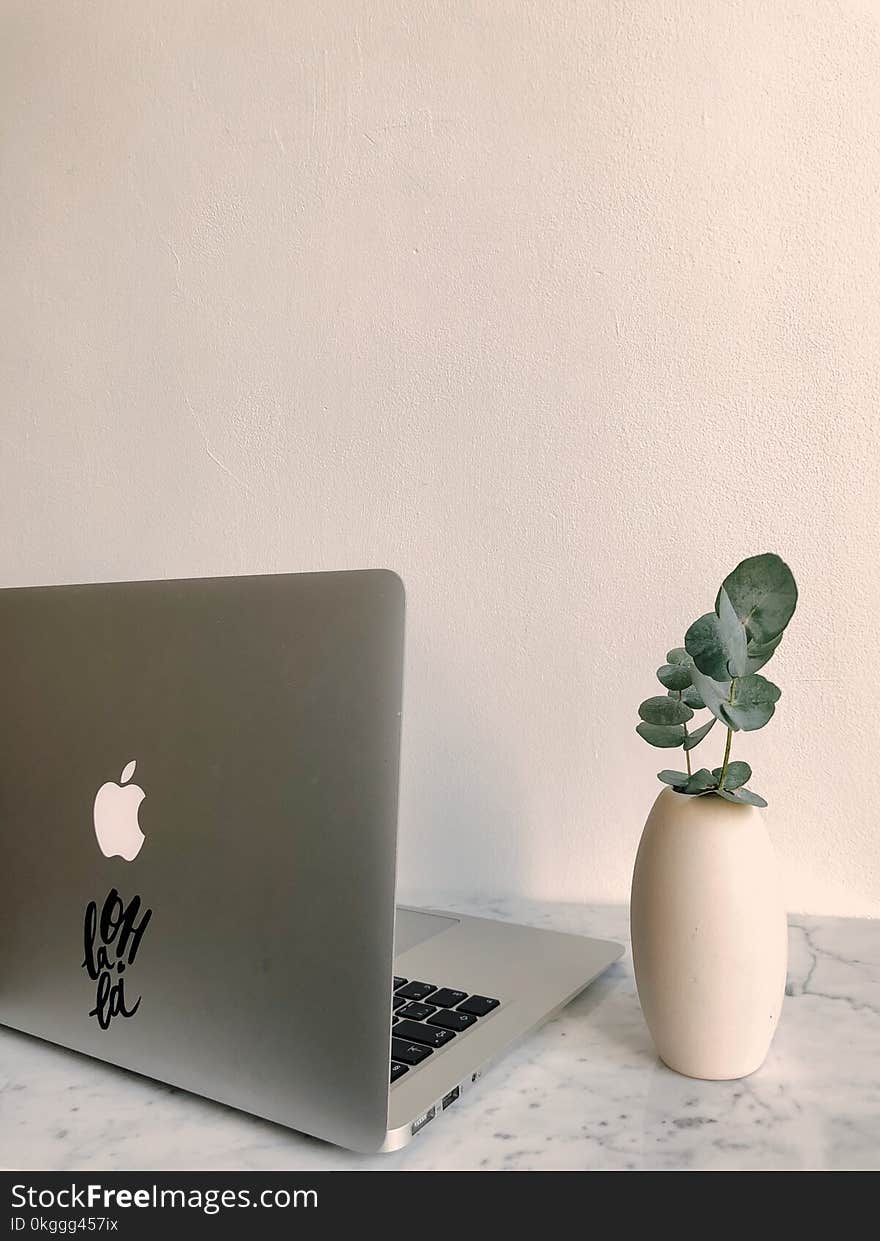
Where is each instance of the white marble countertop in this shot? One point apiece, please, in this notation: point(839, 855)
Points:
point(585, 1092)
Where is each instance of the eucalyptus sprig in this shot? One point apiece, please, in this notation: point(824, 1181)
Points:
point(717, 670)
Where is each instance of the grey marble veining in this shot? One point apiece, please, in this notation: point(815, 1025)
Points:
point(586, 1092)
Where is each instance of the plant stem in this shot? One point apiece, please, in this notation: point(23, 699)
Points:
point(687, 753)
point(729, 739)
point(726, 758)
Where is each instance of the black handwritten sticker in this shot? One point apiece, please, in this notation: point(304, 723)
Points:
point(111, 940)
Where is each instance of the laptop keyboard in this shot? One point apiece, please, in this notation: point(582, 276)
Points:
point(424, 1018)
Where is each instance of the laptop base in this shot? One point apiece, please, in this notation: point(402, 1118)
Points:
point(533, 973)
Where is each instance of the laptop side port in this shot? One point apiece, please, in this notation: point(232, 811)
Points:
point(450, 1098)
point(423, 1120)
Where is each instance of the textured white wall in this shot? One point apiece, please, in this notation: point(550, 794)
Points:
point(558, 308)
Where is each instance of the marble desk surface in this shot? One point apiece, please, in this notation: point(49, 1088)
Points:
point(586, 1092)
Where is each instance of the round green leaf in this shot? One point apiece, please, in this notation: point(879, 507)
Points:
point(674, 676)
point(704, 646)
point(701, 781)
point(692, 697)
point(678, 655)
point(675, 778)
point(754, 799)
point(753, 703)
point(732, 635)
point(764, 595)
point(664, 736)
point(742, 797)
point(737, 774)
point(663, 710)
point(728, 796)
point(758, 654)
point(694, 738)
point(689, 696)
point(717, 642)
point(715, 694)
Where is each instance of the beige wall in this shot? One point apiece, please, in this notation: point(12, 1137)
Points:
point(558, 308)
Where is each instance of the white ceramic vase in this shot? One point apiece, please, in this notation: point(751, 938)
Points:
point(709, 935)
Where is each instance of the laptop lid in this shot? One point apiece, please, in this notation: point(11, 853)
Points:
point(198, 807)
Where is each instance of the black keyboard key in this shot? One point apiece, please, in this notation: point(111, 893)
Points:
point(452, 1021)
point(405, 1052)
point(478, 1005)
point(398, 982)
point(447, 998)
point(417, 1033)
point(418, 1012)
point(397, 1001)
point(416, 990)
point(397, 1070)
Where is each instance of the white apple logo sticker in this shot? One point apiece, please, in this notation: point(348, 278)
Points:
point(116, 816)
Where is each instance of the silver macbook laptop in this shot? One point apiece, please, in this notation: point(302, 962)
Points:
point(198, 822)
